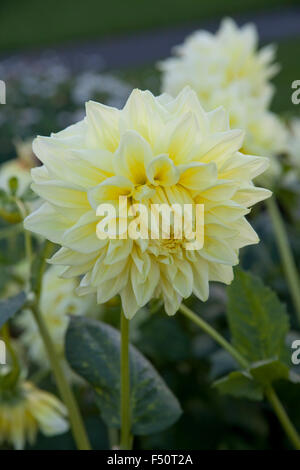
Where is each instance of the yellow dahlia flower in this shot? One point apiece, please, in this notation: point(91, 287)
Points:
point(153, 151)
point(26, 410)
point(226, 69)
point(209, 62)
point(58, 300)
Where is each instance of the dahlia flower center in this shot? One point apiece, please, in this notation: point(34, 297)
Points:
point(166, 246)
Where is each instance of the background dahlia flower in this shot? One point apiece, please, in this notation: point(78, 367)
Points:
point(154, 150)
point(227, 69)
point(26, 410)
point(18, 167)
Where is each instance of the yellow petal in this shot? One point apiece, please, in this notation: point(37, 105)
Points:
point(183, 139)
point(61, 194)
point(241, 166)
point(48, 222)
point(110, 190)
point(144, 114)
point(248, 196)
point(198, 176)
point(222, 191)
point(82, 236)
point(133, 157)
point(103, 128)
point(219, 251)
point(67, 163)
point(200, 272)
point(217, 147)
point(162, 171)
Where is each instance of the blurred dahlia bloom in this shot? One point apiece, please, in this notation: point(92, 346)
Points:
point(26, 410)
point(19, 167)
point(227, 69)
point(155, 150)
point(58, 301)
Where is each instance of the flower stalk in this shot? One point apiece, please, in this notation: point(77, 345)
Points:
point(270, 393)
point(63, 386)
point(126, 438)
point(287, 258)
point(27, 236)
point(78, 430)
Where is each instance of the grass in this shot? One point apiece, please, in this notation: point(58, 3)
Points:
point(38, 23)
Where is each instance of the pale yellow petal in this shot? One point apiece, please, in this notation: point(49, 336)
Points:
point(162, 171)
point(132, 157)
point(103, 126)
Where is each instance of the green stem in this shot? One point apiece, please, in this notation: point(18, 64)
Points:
point(113, 437)
point(27, 235)
point(78, 430)
point(10, 217)
point(10, 231)
point(287, 258)
point(214, 334)
point(269, 391)
point(63, 386)
point(126, 441)
point(283, 417)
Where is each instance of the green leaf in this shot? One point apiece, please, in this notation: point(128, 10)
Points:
point(152, 339)
point(93, 351)
point(239, 384)
point(10, 306)
point(269, 370)
point(257, 319)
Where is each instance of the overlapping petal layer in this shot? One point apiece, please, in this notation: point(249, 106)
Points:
point(154, 151)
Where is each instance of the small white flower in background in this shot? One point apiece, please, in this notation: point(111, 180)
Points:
point(227, 69)
point(19, 167)
point(58, 300)
point(26, 410)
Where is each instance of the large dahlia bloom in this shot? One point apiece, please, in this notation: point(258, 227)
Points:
point(155, 150)
point(227, 69)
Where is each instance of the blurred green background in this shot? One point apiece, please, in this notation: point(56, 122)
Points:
point(36, 23)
